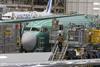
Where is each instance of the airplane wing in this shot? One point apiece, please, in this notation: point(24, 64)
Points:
point(34, 19)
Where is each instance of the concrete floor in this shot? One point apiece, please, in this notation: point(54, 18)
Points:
point(24, 58)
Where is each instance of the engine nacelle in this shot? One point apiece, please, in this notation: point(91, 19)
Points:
point(29, 39)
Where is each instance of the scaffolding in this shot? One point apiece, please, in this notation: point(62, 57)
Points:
point(38, 5)
point(8, 38)
point(59, 6)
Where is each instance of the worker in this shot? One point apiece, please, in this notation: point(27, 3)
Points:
point(60, 40)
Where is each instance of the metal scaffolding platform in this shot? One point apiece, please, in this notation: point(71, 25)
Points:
point(68, 7)
point(39, 5)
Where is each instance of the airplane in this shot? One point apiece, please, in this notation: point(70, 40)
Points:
point(29, 42)
point(31, 31)
point(28, 14)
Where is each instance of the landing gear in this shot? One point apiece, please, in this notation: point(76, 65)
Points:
point(21, 50)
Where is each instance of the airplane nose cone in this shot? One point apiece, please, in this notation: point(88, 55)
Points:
point(29, 40)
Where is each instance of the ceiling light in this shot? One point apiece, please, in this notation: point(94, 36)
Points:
point(96, 3)
point(96, 8)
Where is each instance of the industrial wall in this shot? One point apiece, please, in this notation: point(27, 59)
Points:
point(79, 6)
point(83, 6)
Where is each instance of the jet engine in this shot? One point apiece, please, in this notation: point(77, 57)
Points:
point(29, 40)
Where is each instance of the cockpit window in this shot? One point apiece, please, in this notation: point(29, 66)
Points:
point(29, 28)
point(7, 16)
point(35, 29)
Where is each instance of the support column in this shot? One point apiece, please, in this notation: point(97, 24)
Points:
point(32, 5)
point(59, 6)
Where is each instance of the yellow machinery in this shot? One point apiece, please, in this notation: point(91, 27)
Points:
point(8, 32)
point(95, 36)
point(18, 40)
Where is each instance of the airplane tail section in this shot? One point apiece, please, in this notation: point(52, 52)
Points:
point(49, 7)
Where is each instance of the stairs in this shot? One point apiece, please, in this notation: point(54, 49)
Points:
point(56, 55)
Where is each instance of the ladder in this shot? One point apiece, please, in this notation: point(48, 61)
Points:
point(54, 50)
point(63, 52)
point(59, 55)
point(56, 55)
